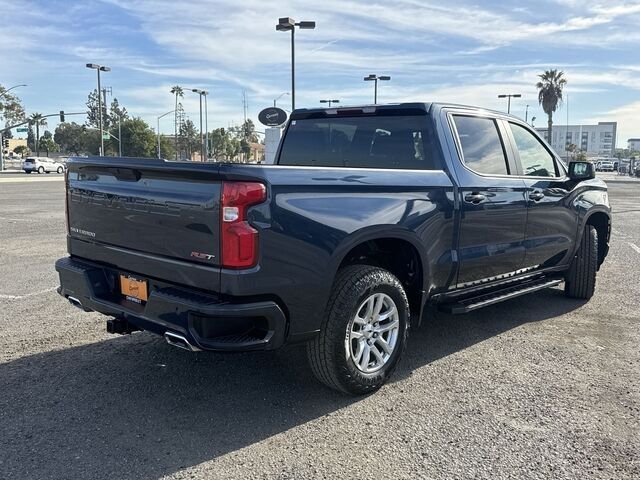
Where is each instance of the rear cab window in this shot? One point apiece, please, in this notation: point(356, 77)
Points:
point(361, 141)
point(482, 148)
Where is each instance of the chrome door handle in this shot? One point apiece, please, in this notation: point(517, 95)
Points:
point(536, 196)
point(474, 197)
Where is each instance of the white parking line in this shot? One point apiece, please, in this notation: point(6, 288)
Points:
point(20, 297)
point(31, 179)
point(635, 247)
point(16, 219)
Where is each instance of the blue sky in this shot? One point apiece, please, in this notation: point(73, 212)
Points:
point(460, 51)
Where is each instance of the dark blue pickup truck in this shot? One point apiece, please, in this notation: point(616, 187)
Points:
point(370, 215)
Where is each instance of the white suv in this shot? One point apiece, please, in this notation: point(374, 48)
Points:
point(42, 165)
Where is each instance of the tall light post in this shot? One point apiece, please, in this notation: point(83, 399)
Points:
point(99, 68)
point(204, 147)
point(9, 89)
point(279, 97)
point(509, 96)
point(287, 24)
point(526, 114)
point(374, 78)
point(329, 102)
point(1, 140)
point(158, 130)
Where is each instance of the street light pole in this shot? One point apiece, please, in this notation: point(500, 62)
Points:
point(279, 97)
point(526, 114)
point(508, 96)
point(329, 102)
point(286, 24)
point(374, 78)
point(204, 150)
point(158, 130)
point(99, 68)
point(206, 128)
point(9, 89)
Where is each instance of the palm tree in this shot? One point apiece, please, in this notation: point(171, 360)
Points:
point(550, 94)
point(178, 92)
point(37, 119)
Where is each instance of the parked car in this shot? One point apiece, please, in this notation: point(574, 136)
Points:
point(42, 165)
point(605, 166)
point(371, 214)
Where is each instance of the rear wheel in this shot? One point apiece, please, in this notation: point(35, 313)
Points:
point(580, 280)
point(364, 331)
point(60, 170)
point(41, 170)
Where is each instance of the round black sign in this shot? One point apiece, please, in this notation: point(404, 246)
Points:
point(272, 116)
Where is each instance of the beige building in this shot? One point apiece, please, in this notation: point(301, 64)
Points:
point(12, 144)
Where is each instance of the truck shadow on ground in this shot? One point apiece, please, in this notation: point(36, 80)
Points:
point(133, 407)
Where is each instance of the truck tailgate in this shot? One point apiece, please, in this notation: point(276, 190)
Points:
point(163, 210)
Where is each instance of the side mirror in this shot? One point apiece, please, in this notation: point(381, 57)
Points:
point(581, 170)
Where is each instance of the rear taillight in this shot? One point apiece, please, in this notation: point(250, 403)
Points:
point(239, 240)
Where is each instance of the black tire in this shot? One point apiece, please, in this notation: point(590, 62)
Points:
point(27, 171)
point(328, 354)
point(41, 170)
point(60, 170)
point(580, 279)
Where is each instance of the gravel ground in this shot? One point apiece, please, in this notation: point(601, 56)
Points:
point(537, 387)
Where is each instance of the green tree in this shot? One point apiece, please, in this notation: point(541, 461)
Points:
point(167, 149)
point(138, 140)
point(550, 89)
point(178, 92)
point(11, 107)
point(22, 150)
point(48, 145)
point(93, 109)
point(39, 121)
point(190, 139)
point(77, 139)
point(117, 112)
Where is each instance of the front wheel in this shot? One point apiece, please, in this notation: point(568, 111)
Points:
point(40, 170)
point(580, 280)
point(60, 170)
point(364, 331)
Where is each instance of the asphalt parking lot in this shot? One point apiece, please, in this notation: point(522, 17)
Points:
point(537, 387)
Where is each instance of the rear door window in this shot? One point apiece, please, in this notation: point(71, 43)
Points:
point(377, 141)
point(482, 148)
point(535, 159)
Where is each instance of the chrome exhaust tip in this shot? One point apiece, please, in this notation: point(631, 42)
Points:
point(75, 302)
point(179, 341)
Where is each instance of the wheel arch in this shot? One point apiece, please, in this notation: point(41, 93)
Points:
point(601, 221)
point(397, 250)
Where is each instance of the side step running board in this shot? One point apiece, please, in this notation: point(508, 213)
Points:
point(469, 304)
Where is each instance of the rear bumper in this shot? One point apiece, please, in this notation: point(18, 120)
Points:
point(205, 320)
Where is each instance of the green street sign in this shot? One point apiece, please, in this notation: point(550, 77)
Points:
point(22, 129)
point(105, 136)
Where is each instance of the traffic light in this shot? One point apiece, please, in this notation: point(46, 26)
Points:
point(5, 143)
point(61, 116)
